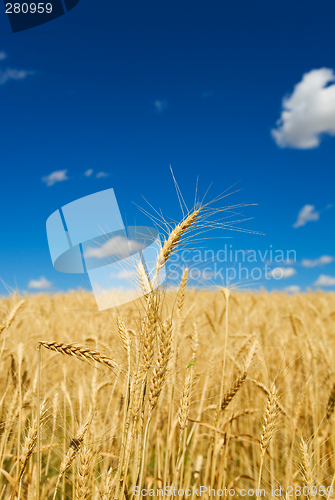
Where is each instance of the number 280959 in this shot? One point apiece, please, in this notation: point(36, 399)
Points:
point(25, 8)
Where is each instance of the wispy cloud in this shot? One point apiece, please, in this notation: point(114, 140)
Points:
point(119, 246)
point(126, 274)
point(13, 74)
point(89, 172)
point(324, 280)
point(57, 176)
point(292, 289)
point(161, 105)
point(100, 175)
point(324, 259)
point(281, 272)
point(40, 284)
point(7, 74)
point(308, 112)
point(288, 262)
point(306, 214)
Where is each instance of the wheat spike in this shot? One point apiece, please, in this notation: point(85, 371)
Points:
point(30, 441)
point(161, 366)
point(270, 419)
point(29, 445)
point(124, 334)
point(9, 320)
point(144, 279)
point(185, 402)
point(235, 387)
point(149, 327)
point(306, 466)
point(195, 339)
point(80, 352)
point(181, 291)
point(85, 460)
point(331, 402)
point(72, 452)
point(172, 241)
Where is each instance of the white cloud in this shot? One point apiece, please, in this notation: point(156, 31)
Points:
point(13, 74)
point(292, 289)
point(57, 176)
point(89, 172)
point(41, 284)
point(324, 259)
point(306, 214)
point(161, 105)
point(288, 262)
point(330, 205)
point(324, 280)
point(101, 174)
point(119, 246)
point(281, 272)
point(125, 274)
point(308, 112)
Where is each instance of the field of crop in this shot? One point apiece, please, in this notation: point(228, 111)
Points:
point(183, 388)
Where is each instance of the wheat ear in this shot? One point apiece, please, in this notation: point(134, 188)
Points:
point(29, 445)
point(161, 366)
point(9, 320)
point(181, 291)
point(143, 279)
point(148, 331)
point(125, 338)
point(183, 412)
point(331, 402)
point(172, 241)
point(85, 458)
point(306, 466)
point(80, 352)
point(237, 384)
point(269, 428)
point(72, 452)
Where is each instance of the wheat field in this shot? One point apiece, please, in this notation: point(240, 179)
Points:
point(226, 389)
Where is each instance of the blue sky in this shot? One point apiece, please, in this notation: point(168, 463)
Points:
point(126, 88)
